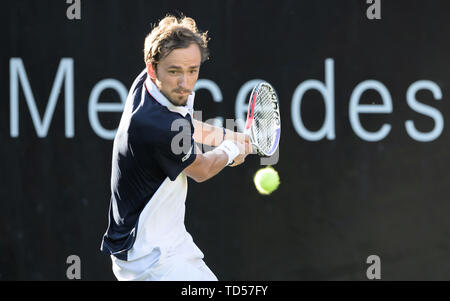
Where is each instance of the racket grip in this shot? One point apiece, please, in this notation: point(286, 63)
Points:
point(254, 149)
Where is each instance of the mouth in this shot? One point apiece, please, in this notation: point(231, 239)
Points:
point(183, 92)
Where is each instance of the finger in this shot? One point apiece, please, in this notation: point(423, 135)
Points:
point(237, 161)
point(248, 148)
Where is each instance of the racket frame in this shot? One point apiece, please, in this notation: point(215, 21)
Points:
point(250, 129)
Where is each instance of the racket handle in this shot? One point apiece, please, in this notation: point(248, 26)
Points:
point(254, 149)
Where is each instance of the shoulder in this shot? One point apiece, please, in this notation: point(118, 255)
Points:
point(160, 125)
point(139, 81)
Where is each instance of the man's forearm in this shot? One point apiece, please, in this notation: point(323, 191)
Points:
point(207, 134)
point(217, 161)
point(213, 136)
point(208, 164)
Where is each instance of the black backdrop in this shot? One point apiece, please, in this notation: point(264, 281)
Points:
point(340, 199)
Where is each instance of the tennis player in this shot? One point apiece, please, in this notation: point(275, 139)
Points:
point(153, 154)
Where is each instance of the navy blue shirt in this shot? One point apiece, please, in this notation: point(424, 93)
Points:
point(143, 157)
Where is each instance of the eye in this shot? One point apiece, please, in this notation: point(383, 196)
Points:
point(172, 72)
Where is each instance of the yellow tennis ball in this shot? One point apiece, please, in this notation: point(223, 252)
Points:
point(266, 180)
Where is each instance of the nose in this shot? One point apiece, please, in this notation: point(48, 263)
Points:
point(182, 81)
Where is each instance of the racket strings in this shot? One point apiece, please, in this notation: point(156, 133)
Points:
point(264, 119)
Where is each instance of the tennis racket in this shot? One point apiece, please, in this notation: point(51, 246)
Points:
point(263, 123)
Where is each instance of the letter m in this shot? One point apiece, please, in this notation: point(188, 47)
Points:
point(17, 74)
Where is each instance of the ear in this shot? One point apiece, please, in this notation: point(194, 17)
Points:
point(151, 71)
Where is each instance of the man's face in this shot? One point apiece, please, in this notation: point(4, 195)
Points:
point(176, 74)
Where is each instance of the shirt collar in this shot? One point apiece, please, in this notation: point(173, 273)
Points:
point(160, 98)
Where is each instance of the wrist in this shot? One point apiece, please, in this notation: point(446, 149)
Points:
point(224, 134)
point(230, 149)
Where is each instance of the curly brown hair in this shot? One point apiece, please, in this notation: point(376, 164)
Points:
point(173, 33)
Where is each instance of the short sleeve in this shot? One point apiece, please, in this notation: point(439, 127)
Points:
point(175, 149)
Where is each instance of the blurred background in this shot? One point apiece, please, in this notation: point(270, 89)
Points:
point(367, 184)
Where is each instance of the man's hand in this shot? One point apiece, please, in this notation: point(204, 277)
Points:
point(241, 138)
point(242, 153)
point(248, 144)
